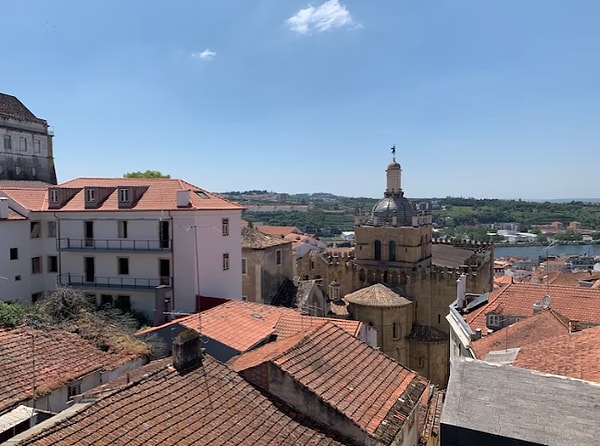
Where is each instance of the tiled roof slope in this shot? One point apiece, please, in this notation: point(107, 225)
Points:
point(377, 295)
point(576, 355)
point(241, 325)
point(449, 256)
point(575, 303)
point(346, 374)
point(291, 323)
point(573, 279)
point(209, 405)
point(60, 356)
point(254, 239)
point(10, 106)
point(161, 194)
point(541, 326)
point(278, 231)
point(30, 198)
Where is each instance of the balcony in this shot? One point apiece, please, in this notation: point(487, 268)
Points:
point(116, 245)
point(124, 283)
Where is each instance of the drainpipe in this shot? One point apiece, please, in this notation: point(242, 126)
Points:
point(58, 250)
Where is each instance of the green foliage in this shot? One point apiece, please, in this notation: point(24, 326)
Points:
point(11, 314)
point(146, 174)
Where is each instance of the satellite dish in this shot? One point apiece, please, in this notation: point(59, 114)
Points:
point(546, 302)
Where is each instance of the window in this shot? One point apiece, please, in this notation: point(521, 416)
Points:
point(33, 171)
point(52, 229)
point(53, 196)
point(90, 195)
point(17, 278)
point(36, 229)
point(17, 170)
point(52, 264)
point(73, 390)
point(278, 256)
point(22, 144)
point(123, 265)
point(122, 228)
point(14, 253)
point(123, 303)
point(225, 226)
point(244, 266)
point(395, 330)
point(493, 320)
point(35, 297)
point(37, 146)
point(225, 261)
point(36, 265)
point(106, 300)
point(7, 143)
point(377, 248)
point(124, 195)
point(392, 251)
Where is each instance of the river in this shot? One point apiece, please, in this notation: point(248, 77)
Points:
point(534, 252)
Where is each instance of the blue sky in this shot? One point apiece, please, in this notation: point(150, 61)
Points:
point(496, 99)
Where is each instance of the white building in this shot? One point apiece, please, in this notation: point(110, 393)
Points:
point(149, 244)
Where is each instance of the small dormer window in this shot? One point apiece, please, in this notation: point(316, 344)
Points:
point(493, 320)
point(124, 195)
point(90, 195)
point(53, 196)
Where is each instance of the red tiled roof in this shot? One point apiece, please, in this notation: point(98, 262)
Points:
point(291, 323)
point(541, 326)
point(241, 325)
point(360, 382)
point(573, 279)
point(517, 299)
point(209, 405)
point(576, 355)
point(254, 239)
point(279, 231)
point(161, 194)
point(33, 199)
point(60, 356)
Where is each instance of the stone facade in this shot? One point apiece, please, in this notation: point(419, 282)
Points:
point(25, 144)
point(394, 247)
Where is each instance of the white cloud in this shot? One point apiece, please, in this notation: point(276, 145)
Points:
point(204, 55)
point(327, 16)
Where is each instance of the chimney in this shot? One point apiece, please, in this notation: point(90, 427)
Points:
point(183, 198)
point(186, 350)
point(461, 292)
point(478, 333)
point(537, 308)
point(3, 208)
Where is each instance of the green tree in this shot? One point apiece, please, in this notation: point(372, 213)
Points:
point(146, 174)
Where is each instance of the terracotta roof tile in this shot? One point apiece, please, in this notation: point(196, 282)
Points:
point(291, 323)
point(517, 299)
point(278, 231)
point(161, 194)
point(254, 239)
point(376, 295)
point(209, 405)
point(541, 326)
point(360, 382)
point(60, 356)
point(576, 355)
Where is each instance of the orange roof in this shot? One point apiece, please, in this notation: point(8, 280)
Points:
point(279, 231)
point(33, 199)
point(362, 383)
point(209, 405)
point(541, 326)
point(517, 299)
point(576, 355)
point(573, 279)
point(161, 194)
point(60, 356)
point(241, 325)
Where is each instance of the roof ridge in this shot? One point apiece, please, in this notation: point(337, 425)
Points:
point(480, 310)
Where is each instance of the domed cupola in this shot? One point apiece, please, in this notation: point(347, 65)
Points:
point(394, 209)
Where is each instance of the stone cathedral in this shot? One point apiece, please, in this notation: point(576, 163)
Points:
point(394, 248)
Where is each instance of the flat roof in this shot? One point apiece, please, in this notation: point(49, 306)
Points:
point(522, 404)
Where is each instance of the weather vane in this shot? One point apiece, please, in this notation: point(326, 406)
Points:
point(393, 149)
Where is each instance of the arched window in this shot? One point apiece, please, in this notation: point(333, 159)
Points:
point(392, 249)
point(377, 250)
point(385, 277)
point(395, 330)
